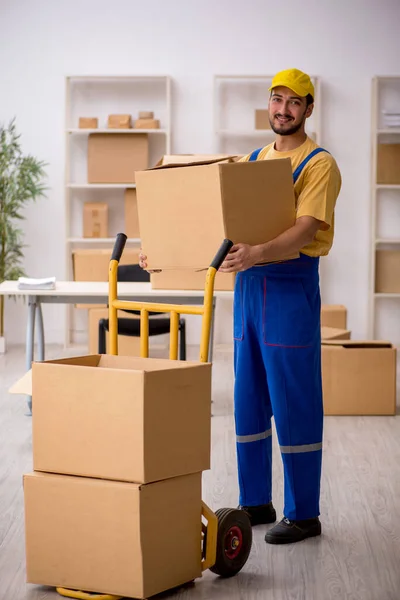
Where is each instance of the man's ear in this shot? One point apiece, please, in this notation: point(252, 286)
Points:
point(309, 110)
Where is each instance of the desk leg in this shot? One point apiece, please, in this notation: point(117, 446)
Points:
point(30, 340)
point(40, 331)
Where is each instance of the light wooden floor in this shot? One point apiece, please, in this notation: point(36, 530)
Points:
point(357, 558)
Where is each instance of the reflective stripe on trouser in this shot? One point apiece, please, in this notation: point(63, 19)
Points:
point(278, 371)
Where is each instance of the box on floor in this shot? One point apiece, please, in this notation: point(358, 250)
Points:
point(114, 157)
point(333, 333)
point(111, 537)
point(203, 203)
point(359, 377)
point(334, 315)
point(118, 417)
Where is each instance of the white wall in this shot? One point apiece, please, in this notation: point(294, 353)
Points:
point(345, 42)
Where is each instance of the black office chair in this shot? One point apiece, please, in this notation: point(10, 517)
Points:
point(131, 327)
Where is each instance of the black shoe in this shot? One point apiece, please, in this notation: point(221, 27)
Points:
point(289, 532)
point(259, 515)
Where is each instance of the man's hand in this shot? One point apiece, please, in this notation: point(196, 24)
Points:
point(143, 263)
point(240, 258)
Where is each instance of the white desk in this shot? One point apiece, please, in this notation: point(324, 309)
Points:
point(94, 292)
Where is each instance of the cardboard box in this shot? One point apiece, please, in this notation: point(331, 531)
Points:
point(147, 124)
point(131, 214)
point(202, 204)
point(332, 333)
point(388, 164)
point(127, 346)
point(88, 122)
point(120, 417)
point(92, 264)
point(387, 271)
point(359, 378)
point(114, 157)
point(119, 121)
point(334, 315)
point(262, 119)
point(111, 537)
point(146, 114)
point(95, 220)
point(186, 279)
point(184, 159)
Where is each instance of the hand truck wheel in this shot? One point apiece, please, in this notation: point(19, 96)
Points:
point(234, 540)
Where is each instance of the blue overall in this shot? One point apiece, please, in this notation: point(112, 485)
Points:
point(278, 373)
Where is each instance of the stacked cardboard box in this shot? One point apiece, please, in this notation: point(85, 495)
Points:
point(114, 502)
point(358, 376)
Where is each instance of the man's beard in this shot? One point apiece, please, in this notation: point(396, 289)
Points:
point(291, 130)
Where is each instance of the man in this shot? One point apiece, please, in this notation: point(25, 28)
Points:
point(277, 327)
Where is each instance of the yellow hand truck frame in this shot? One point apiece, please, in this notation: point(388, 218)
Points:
point(227, 533)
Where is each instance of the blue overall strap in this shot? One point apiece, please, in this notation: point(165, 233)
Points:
point(254, 154)
point(301, 166)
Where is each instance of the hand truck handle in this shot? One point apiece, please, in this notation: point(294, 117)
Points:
point(221, 254)
point(119, 247)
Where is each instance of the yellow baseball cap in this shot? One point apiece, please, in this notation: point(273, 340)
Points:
point(295, 80)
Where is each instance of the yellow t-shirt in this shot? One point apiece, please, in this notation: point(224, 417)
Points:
point(316, 190)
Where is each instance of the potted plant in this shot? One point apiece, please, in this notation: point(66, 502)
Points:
point(21, 181)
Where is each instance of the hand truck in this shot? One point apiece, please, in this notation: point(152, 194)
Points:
point(227, 533)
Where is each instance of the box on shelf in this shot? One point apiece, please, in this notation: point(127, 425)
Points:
point(127, 346)
point(187, 279)
point(114, 157)
point(388, 164)
point(92, 264)
point(131, 214)
point(95, 220)
point(203, 204)
point(359, 378)
point(110, 537)
point(119, 121)
point(334, 315)
point(147, 124)
point(146, 114)
point(120, 417)
point(262, 119)
point(88, 122)
point(387, 272)
point(333, 333)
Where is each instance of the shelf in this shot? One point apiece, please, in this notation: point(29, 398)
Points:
point(101, 186)
point(382, 295)
point(387, 241)
point(111, 240)
point(82, 131)
point(387, 186)
point(394, 130)
point(118, 78)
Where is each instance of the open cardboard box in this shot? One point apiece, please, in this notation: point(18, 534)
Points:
point(119, 417)
point(200, 204)
point(359, 377)
point(111, 537)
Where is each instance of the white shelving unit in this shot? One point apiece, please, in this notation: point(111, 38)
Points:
point(100, 96)
point(236, 97)
point(384, 306)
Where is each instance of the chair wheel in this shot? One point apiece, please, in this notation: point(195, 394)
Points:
point(234, 540)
